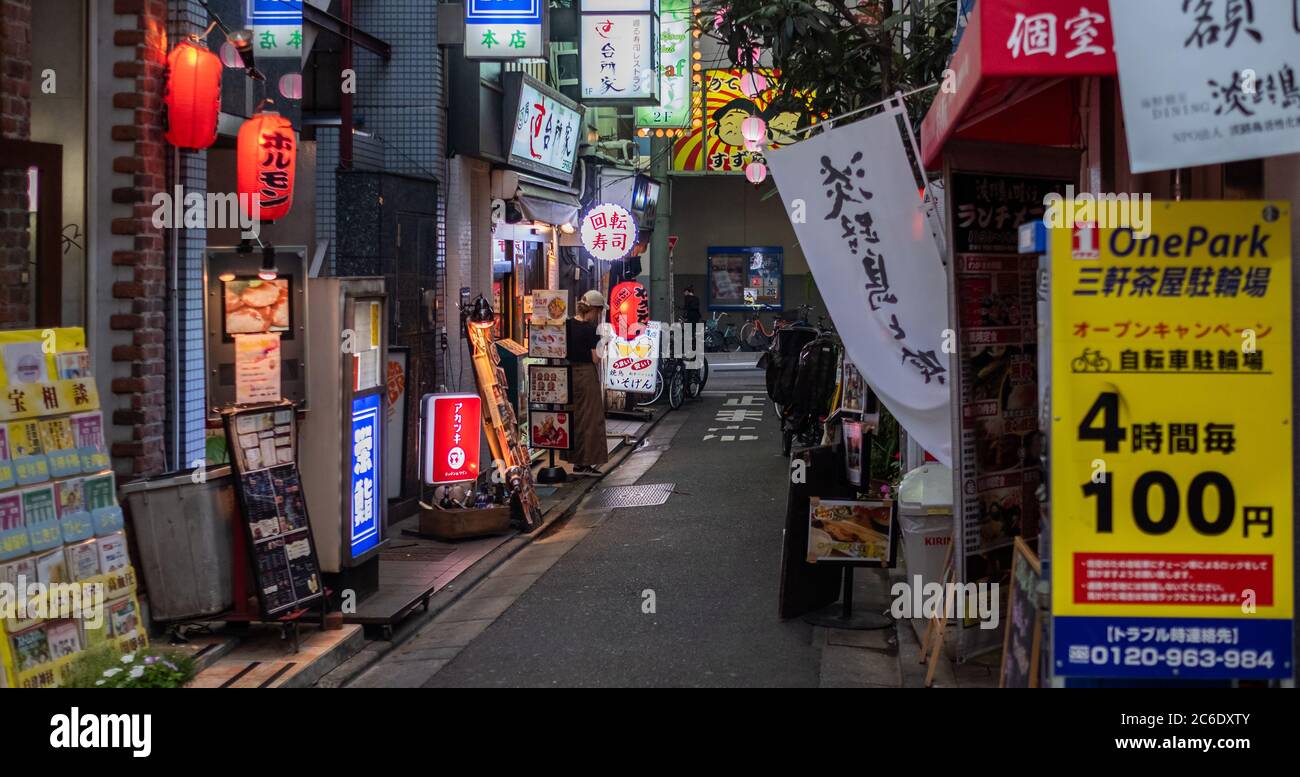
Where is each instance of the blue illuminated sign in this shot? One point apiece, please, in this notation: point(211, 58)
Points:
point(365, 474)
point(517, 11)
point(272, 12)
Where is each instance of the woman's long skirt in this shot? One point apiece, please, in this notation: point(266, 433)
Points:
point(589, 447)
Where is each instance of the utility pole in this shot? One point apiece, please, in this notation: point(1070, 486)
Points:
point(661, 269)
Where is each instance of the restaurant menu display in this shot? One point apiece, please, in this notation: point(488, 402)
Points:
point(547, 311)
point(551, 429)
point(263, 442)
point(1022, 643)
point(548, 385)
point(848, 531)
point(1000, 445)
point(60, 522)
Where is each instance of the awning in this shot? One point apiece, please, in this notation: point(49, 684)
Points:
point(549, 206)
point(1024, 53)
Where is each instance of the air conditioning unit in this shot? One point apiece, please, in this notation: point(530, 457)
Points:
point(618, 150)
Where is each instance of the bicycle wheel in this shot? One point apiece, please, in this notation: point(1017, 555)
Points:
point(676, 388)
point(659, 389)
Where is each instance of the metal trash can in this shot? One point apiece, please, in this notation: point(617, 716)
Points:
point(183, 531)
point(925, 517)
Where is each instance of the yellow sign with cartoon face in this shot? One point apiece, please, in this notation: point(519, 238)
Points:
point(1171, 457)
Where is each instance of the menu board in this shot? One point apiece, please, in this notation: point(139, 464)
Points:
point(548, 385)
point(848, 531)
point(551, 430)
point(263, 443)
point(1023, 639)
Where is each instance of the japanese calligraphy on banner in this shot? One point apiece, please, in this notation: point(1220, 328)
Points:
point(545, 130)
point(608, 232)
point(620, 57)
point(1206, 81)
point(451, 437)
point(719, 146)
point(1171, 459)
point(277, 27)
point(631, 365)
point(674, 108)
point(504, 29)
point(875, 261)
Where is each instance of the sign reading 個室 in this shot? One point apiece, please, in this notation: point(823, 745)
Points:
point(1206, 82)
point(1171, 465)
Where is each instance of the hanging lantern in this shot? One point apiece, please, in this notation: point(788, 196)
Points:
point(291, 86)
point(753, 84)
point(268, 154)
point(754, 146)
point(753, 128)
point(193, 96)
point(756, 172)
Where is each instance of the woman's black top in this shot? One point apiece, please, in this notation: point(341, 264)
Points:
point(582, 340)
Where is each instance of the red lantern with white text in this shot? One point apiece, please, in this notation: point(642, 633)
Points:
point(193, 96)
point(629, 309)
point(268, 154)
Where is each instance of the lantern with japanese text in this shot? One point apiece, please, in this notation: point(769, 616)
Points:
point(629, 309)
point(268, 154)
point(193, 96)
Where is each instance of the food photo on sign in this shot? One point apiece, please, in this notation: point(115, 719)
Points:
point(550, 429)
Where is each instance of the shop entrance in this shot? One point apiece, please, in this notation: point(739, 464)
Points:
point(31, 216)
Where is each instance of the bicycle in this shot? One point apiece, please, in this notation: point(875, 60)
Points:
point(756, 338)
point(696, 378)
point(1090, 361)
point(717, 339)
point(670, 383)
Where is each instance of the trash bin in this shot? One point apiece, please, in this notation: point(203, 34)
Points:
point(925, 517)
point(183, 531)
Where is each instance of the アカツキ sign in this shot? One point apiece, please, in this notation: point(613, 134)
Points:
point(451, 437)
point(1171, 461)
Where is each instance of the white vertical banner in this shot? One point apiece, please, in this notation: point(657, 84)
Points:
point(854, 203)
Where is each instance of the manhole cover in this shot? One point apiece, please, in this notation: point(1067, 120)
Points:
point(416, 553)
point(631, 496)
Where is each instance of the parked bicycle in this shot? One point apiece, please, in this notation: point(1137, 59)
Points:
point(670, 383)
point(718, 337)
point(755, 337)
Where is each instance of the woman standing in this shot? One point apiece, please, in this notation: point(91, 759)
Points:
point(589, 447)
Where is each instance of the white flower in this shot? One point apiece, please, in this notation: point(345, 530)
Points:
point(99, 682)
point(111, 672)
point(137, 673)
point(128, 658)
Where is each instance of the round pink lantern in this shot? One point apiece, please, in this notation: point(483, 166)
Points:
point(756, 172)
point(753, 128)
point(754, 146)
point(753, 84)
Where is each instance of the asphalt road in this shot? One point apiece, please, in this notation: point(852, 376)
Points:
point(708, 560)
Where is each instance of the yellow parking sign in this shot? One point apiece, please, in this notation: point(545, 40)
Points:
point(1171, 461)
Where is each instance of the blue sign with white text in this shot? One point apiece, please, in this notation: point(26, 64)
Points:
point(365, 474)
point(272, 12)
point(517, 11)
point(1186, 648)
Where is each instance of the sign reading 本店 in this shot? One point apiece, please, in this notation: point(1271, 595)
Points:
point(877, 266)
point(451, 437)
point(277, 27)
point(619, 48)
point(504, 29)
point(1206, 81)
point(545, 132)
point(1171, 465)
point(608, 232)
point(674, 108)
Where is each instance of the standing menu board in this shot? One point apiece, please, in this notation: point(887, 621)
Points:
point(1022, 642)
point(263, 442)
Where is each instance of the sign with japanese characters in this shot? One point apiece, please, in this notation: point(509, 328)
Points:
point(867, 241)
point(551, 429)
point(545, 131)
point(548, 384)
point(365, 468)
point(620, 57)
point(608, 232)
point(632, 365)
point(1171, 461)
point(277, 27)
point(1206, 81)
point(718, 145)
point(451, 437)
point(504, 29)
point(674, 108)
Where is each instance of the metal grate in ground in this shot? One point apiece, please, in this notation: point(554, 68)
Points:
point(630, 496)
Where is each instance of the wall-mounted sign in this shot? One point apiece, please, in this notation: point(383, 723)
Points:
point(632, 365)
point(674, 108)
point(620, 54)
point(257, 368)
point(451, 437)
point(719, 145)
point(608, 232)
point(365, 512)
point(544, 127)
point(277, 27)
point(1207, 82)
point(504, 29)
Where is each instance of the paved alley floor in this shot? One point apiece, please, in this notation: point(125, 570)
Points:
point(683, 594)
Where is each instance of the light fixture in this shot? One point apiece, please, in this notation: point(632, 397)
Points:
point(193, 95)
point(540, 227)
point(226, 277)
point(242, 40)
point(268, 271)
point(659, 133)
point(697, 123)
point(753, 128)
point(568, 229)
point(696, 55)
point(481, 315)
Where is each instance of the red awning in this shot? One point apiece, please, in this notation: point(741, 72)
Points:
point(1024, 53)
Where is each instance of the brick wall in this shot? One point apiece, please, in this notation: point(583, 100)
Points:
point(140, 288)
point(15, 124)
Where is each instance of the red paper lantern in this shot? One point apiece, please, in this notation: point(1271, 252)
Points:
point(193, 96)
point(629, 309)
point(268, 154)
